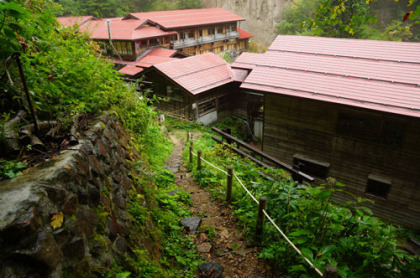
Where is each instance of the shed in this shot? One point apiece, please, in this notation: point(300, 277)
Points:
point(349, 109)
point(195, 88)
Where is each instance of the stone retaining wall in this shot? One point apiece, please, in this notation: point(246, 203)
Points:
point(89, 184)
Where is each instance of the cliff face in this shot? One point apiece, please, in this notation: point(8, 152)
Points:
point(262, 16)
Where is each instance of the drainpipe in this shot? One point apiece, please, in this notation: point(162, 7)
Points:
point(108, 22)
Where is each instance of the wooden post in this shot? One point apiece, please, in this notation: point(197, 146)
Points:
point(260, 219)
point(330, 272)
point(199, 160)
point(191, 150)
point(229, 184)
point(188, 136)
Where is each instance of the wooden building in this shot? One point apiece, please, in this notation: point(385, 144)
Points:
point(195, 31)
point(349, 109)
point(197, 88)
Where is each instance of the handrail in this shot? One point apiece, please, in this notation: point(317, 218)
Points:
point(298, 175)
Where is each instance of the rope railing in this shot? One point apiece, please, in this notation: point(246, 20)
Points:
point(269, 218)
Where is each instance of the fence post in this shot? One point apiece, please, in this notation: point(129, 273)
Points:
point(198, 159)
point(188, 136)
point(260, 219)
point(191, 150)
point(330, 272)
point(229, 184)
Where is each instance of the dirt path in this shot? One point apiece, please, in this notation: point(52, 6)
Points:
point(222, 243)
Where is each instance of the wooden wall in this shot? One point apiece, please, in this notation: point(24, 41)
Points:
point(311, 129)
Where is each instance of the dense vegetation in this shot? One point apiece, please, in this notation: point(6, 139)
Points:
point(114, 8)
point(346, 236)
point(67, 77)
point(354, 18)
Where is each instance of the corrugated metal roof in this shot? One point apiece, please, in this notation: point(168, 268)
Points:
point(123, 30)
point(363, 49)
point(130, 70)
point(244, 34)
point(239, 74)
point(376, 95)
point(367, 69)
point(384, 85)
point(247, 60)
point(199, 73)
point(73, 20)
point(185, 18)
point(163, 52)
point(150, 60)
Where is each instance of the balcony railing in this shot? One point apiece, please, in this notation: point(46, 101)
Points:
point(202, 40)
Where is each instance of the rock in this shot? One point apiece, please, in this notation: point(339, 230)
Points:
point(75, 249)
point(121, 244)
point(204, 247)
point(47, 251)
point(210, 270)
point(173, 192)
point(70, 206)
point(191, 224)
point(224, 234)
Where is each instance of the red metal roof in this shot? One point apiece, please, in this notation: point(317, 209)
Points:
point(365, 49)
point(240, 74)
point(123, 30)
point(150, 60)
point(73, 20)
point(185, 18)
point(383, 85)
point(247, 60)
point(381, 96)
point(162, 52)
point(244, 34)
point(199, 73)
point(130, 70)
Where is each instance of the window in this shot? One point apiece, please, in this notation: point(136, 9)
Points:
point(220, 30)
point(311, 167)
point(378, 186)
point(206, 107)
point(123, 48)
point(210, 31)
point(233, 27)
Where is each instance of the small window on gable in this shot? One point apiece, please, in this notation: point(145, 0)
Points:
point(378, 186)
point(311, 167)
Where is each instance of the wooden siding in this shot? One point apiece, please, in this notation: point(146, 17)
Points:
point(309, 128)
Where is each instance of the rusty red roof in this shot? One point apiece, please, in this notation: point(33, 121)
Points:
point(73, 20)
point(150, 60)
point(197, 74)
point(185, 18)
point(244, 34)
point(382, 85)
point(130, 70)
point(363, 49)
point(123, 30)
point(163, 52)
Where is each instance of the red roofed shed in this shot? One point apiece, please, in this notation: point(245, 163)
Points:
point(348, 109)
point(197, 87)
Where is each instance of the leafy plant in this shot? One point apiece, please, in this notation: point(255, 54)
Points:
point(11, 169)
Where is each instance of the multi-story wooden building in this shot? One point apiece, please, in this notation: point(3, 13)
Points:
point(195, 31)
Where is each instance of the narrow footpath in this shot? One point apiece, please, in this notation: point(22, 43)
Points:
point(217, 238)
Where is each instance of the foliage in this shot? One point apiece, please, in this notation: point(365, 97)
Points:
point(349, 18)
point(343, 235)
point(256, 47)
point(114, 8)
point(11, 169)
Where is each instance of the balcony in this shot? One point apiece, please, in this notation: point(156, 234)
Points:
point(202, 40)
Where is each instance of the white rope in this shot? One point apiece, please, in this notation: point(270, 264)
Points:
point(291, 243)
point(212, 165)
point(268, 216)
point(246, 189)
